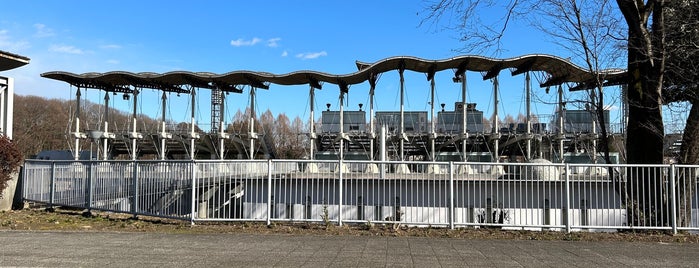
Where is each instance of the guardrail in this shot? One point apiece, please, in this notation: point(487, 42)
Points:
point(535, 196)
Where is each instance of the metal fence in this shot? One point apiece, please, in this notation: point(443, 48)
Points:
point(451, 194)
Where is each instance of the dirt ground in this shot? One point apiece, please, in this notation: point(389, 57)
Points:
point(74, 220)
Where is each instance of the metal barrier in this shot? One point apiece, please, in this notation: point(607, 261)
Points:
point(537, 196)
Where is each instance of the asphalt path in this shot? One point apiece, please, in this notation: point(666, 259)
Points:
point(110, 249)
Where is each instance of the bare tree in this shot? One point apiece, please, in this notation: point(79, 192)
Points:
point(681, 90)
point(592, 30)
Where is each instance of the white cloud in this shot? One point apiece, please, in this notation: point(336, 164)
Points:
point(285, 53)
point(273, 42)
point(311, 55)
point(242, 42)
point(9, 45)
point(43, 31)
point(110, 46)
point(66, 49)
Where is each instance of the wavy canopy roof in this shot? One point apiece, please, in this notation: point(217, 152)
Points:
point(9, 61)
point(557, 70)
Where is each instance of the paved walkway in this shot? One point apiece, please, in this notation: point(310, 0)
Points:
point(70, 249)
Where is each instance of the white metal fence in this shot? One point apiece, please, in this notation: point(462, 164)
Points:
point(452, 194)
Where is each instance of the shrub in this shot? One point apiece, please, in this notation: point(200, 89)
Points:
point(10, 160)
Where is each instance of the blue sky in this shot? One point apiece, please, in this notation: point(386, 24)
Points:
point(270, 36)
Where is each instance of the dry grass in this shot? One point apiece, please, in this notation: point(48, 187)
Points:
point(73, 220)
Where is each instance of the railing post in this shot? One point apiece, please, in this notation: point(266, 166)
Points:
point(134, 202)
point(673, 199)
point(566, 213)
point(547, 212)
point(194, 191)
point(339, 203)
point(88, 200)
point(489, 210)
point(451, 195)
point(269, 192)
point(52, 185)
point(583, 213)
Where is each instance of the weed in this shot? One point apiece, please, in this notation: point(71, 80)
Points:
point(325, 215)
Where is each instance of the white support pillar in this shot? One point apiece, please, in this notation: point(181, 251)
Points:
point(192, 134)
point(252, 133)
point(372, 132)
point(105, 134)
point(312, 129)
point(77, 134)
point(593, 113)
point(496, 125)
point(382, 150)
point(342, 126)
point(464, 112)
point(164, 135)
point(402, 112)
point(222, 135)
point(134, 135)
point(6, 105)
point(433, 133)
point(528, 93)
point(561, 116)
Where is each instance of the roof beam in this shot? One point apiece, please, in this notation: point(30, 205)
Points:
point(554, 81)
point(372, 79)
point(313, 82)
point(430, 72)
point(493, 72)
point(256, 83)
point(524, 67)
point(460, 70)
point(344, 88)
point(105, 87)
point(225, 87)
point(200, 83)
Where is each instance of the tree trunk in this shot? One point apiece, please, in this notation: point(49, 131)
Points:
point(687, 177)
point(645, 132)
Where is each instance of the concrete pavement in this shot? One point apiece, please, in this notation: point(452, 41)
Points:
point(99, 249)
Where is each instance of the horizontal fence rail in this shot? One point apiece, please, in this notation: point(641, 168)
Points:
point(536, 196)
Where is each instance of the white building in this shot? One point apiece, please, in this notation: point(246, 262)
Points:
point(8, 61)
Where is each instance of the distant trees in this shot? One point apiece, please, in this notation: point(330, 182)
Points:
point(45, 124)
point(40, 124)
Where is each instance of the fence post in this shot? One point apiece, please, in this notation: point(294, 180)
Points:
point(134, 202)
point(194, 191)
point(52, 186)
point(673, 199)
point(88, 200)
point(339, 203)
point(583, 213)
point(451, 195)
point(566, 213)
point(489, 218)
point(547, 212)
point(269, 192)
point(360, 208)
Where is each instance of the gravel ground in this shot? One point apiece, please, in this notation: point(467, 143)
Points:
point(34, 219)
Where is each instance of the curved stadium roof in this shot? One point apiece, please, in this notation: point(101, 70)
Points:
point(9, 61)
point(557, 70)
